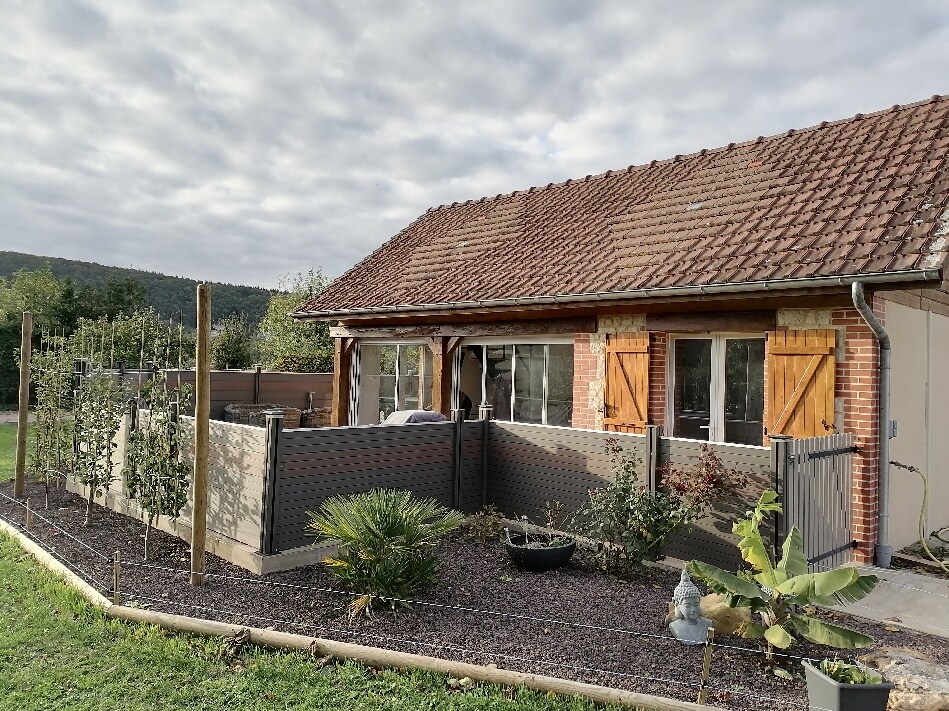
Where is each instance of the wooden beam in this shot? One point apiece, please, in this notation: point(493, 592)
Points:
point(342, 356)
point(740, 321)
point(504, 328)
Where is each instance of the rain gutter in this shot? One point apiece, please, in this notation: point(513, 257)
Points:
point(910, 275)
point(883, 553)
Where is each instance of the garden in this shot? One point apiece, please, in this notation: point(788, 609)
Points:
point(585, 596)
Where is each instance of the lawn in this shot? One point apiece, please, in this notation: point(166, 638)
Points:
point(7, 450)
point(57, 651)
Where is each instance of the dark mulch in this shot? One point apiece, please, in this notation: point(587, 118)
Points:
point(590, 627)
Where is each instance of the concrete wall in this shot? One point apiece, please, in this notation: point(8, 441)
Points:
point(920, 404)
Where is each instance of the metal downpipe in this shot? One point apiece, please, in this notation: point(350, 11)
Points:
point(883, 553)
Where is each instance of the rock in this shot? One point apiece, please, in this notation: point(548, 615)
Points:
point(920, 684)
point(727, 619)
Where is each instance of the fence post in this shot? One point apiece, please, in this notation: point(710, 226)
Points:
point(202, 408)
point(257, 369)
point(22, 422)
point(485, 414)
point(652, 456)
point(780, 450)
point(116, 577)
point(458, 417)
point(271, 466)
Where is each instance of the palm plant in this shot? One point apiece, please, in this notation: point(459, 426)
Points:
point(387, 542)
point(779, 592)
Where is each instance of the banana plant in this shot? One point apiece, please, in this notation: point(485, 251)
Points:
point(780, 592)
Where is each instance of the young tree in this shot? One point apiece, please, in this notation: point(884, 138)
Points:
point(233, 344)
point(36, 291)
point(290, 345)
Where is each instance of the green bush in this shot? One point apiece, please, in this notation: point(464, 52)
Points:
point(387, 542)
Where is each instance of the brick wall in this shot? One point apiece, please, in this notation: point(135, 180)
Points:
point(585, 374)
point(857, 386)
point(658, 349)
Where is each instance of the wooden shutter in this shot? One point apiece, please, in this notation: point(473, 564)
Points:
point(800, 387)
point(627, 382)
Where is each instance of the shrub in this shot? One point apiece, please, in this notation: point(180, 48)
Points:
point(780, 592)
point(387, 543)
point(486, 525)
point(632, 522)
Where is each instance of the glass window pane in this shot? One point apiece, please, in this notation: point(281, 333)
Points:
point(409, 377)
point(692, 396)
point(469, 382)
point(376, 383)
point(560, 385)
point(498, 383)
point(529, 383)
point(744, 390)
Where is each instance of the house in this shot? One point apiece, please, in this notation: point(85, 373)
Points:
point(731, 295)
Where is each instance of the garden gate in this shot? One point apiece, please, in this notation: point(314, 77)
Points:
point(814, 478)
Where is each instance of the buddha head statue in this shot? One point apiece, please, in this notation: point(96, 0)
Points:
point(687, 599)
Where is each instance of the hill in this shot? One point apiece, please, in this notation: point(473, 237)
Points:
point(169, 295)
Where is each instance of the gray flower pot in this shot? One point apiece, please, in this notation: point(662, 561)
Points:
point(537, 558)
point(825, 694)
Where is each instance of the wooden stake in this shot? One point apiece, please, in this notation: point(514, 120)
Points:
point(29, 516)
point(26, 350)
point(202, 413)
point(116, 577)
point(706, 665)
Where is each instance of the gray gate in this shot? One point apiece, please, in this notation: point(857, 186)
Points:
point(814, 479)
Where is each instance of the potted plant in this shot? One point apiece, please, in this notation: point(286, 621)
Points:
point(539, 549)
point(836, 685)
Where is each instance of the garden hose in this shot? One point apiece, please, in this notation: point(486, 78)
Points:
point(922, 513)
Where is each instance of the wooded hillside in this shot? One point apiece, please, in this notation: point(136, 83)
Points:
point(168, 295)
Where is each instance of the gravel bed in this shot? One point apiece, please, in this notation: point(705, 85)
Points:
point(574, 623)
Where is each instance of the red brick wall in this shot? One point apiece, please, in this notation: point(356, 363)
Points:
point(584, 373)
point(857, 383)
point(658, 349)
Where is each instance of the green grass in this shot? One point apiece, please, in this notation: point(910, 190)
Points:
point(57, 651)
point(7, 450)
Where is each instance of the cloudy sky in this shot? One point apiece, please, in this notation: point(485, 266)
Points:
point(241, 141)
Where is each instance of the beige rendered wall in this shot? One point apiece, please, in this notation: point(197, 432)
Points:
point(920, 405)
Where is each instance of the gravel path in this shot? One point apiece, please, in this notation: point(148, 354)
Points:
point(573, 623)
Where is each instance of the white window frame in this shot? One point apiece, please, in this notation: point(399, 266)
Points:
point(507, 341)
point(354, 400)
point(716, 421)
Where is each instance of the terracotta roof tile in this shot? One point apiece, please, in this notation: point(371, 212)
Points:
point(858, 196)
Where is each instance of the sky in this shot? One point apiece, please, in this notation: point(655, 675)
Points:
point(242, 142)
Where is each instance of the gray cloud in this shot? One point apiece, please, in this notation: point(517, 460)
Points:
point(241, 142)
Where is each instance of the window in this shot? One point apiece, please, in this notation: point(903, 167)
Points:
point(523, 382)
point(717, 388)
point(392, 377)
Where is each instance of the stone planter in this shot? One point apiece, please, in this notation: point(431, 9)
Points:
point(534, 551)
point(826, 694)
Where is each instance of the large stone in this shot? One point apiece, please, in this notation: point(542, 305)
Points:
point(920, 683)
point(727, 619)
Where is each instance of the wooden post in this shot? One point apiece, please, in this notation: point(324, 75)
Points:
point(706, 665)
point(29, 516)
point(341, 361)
point(26, 350)
point(116, 577)
point(257, 369)
point(202, 413)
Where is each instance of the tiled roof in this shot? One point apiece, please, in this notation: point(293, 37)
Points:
point(861, 196)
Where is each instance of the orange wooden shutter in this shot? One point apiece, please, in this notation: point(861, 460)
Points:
point(627, 382)
point(800, 387)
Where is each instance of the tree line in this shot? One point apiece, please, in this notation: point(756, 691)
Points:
point(114, 323)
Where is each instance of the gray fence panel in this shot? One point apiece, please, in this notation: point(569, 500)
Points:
point(530, 465)
point(318, 463)
point(711, 539)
